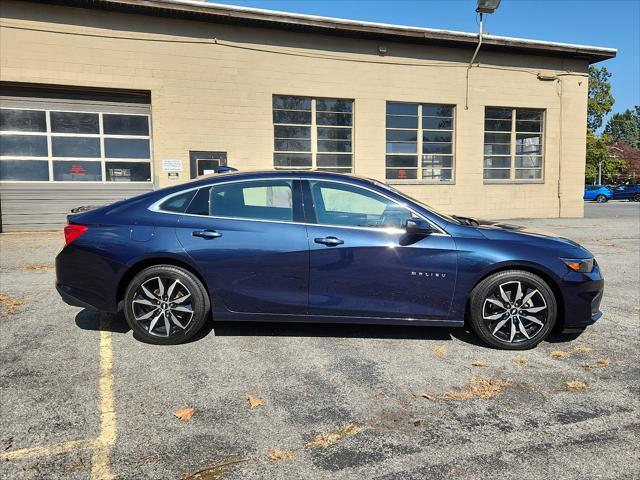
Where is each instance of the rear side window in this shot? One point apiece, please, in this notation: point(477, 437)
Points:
point(258, 200)
point(178, 203)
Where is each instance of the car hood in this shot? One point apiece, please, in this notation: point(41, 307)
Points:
point(494, 230)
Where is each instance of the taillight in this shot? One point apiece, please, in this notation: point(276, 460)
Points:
point(73, 231)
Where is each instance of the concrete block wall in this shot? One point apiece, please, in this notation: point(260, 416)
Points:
point(212, 85)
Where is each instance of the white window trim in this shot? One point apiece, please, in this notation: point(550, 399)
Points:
point(314, 135)
point(513, 135)
point(420, 141)
point(101, 135)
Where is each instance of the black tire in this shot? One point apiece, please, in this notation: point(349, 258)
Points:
point(498, 332)
point(601, 198)
point(144, 303)
point(636, 197)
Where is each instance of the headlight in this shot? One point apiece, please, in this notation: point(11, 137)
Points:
point(582, 265)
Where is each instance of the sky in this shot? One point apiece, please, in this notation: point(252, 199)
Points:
point(601, 23)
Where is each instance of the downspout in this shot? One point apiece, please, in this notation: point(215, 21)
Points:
point(475, 54)
point(560, 151)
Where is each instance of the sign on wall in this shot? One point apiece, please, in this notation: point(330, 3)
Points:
point(171, 165)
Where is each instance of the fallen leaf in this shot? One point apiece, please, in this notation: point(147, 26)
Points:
point(254, 402)
point(275, 455)
point(581, 349)
point(428, 396)
point(213, 472)
point(520, 360)
point(451, 472)
point(77, 467)
point(576, 385)
point(327, 439)
point(559, 354)
point(9, 305)
point(439, 351)
point(184, 414)
point(38, 266)
point(479, 364)
point(481, 387)
point(600, 363)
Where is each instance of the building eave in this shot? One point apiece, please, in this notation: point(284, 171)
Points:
point(218, 13)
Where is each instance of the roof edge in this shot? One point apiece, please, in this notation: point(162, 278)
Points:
point(201, 10)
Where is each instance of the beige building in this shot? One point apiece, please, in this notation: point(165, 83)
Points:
point(104, 100)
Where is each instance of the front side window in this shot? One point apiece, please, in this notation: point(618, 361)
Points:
point(257, 200)
point(67, 146)
point(419, 142)
point(313, 133)
point(348, 205)
point(513, 144)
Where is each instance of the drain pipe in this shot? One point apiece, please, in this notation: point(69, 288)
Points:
point(475, 54)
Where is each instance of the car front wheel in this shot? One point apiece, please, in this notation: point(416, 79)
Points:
point(636, 197)
point(513, 310)
point(166, 305)
point(602, 199)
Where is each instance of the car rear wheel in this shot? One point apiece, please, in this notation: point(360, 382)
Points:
point(636, 197)
point(166, 305)
point(513, 310)
point(601, 199)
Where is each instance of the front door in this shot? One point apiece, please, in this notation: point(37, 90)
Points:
point(363, 263)
point(245, 239)
point(206, 163)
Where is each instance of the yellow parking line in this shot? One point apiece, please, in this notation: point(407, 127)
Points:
point(101, 445)
point(100, 469)
point(48, 450)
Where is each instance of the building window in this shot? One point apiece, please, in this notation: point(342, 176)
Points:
point(67, 146)
point(420, 142)
point(313, 133)
point(513, 144)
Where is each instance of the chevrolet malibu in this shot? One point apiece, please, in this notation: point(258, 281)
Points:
point(320, 247)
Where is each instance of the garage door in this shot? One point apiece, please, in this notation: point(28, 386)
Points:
point(61, 149)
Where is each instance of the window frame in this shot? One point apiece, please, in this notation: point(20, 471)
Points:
point(298, 216)
point(303, 212)
point(313, 137)
point(102, 159)
point(513, 133)
point(419, 145)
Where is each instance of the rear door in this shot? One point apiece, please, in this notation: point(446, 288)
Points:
point(363, 263)
point(249, 240)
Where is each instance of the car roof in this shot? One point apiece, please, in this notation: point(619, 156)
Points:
point(258, 174)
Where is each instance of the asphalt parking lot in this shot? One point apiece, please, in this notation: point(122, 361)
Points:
point(81, 398)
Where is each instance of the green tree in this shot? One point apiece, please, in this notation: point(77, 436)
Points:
point(600, 99)
point(598, 152)
point(625, 126)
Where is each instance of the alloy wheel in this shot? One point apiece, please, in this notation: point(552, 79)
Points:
point(163, 306)
point(515, 311)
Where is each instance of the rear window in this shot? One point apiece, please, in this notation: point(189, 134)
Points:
point(178, 203)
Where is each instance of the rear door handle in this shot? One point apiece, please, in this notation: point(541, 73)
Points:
point(206, 234)
point(329, 241)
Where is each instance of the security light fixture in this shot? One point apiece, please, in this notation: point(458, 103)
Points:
point(487, 6)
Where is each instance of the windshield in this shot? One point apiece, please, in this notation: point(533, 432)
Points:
point(444, 216)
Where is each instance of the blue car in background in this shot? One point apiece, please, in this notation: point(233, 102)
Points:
point(320, 247)
point(627, 192)
point(598, 193)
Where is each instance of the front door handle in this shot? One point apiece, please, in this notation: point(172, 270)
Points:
point(329, 241)
point(206, 234)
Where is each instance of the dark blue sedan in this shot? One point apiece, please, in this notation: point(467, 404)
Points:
point(320, 247)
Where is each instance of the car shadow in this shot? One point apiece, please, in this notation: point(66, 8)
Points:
point(88, 319)
point(336, 330)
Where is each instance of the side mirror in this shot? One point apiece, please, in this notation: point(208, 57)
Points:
point(418, 226)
